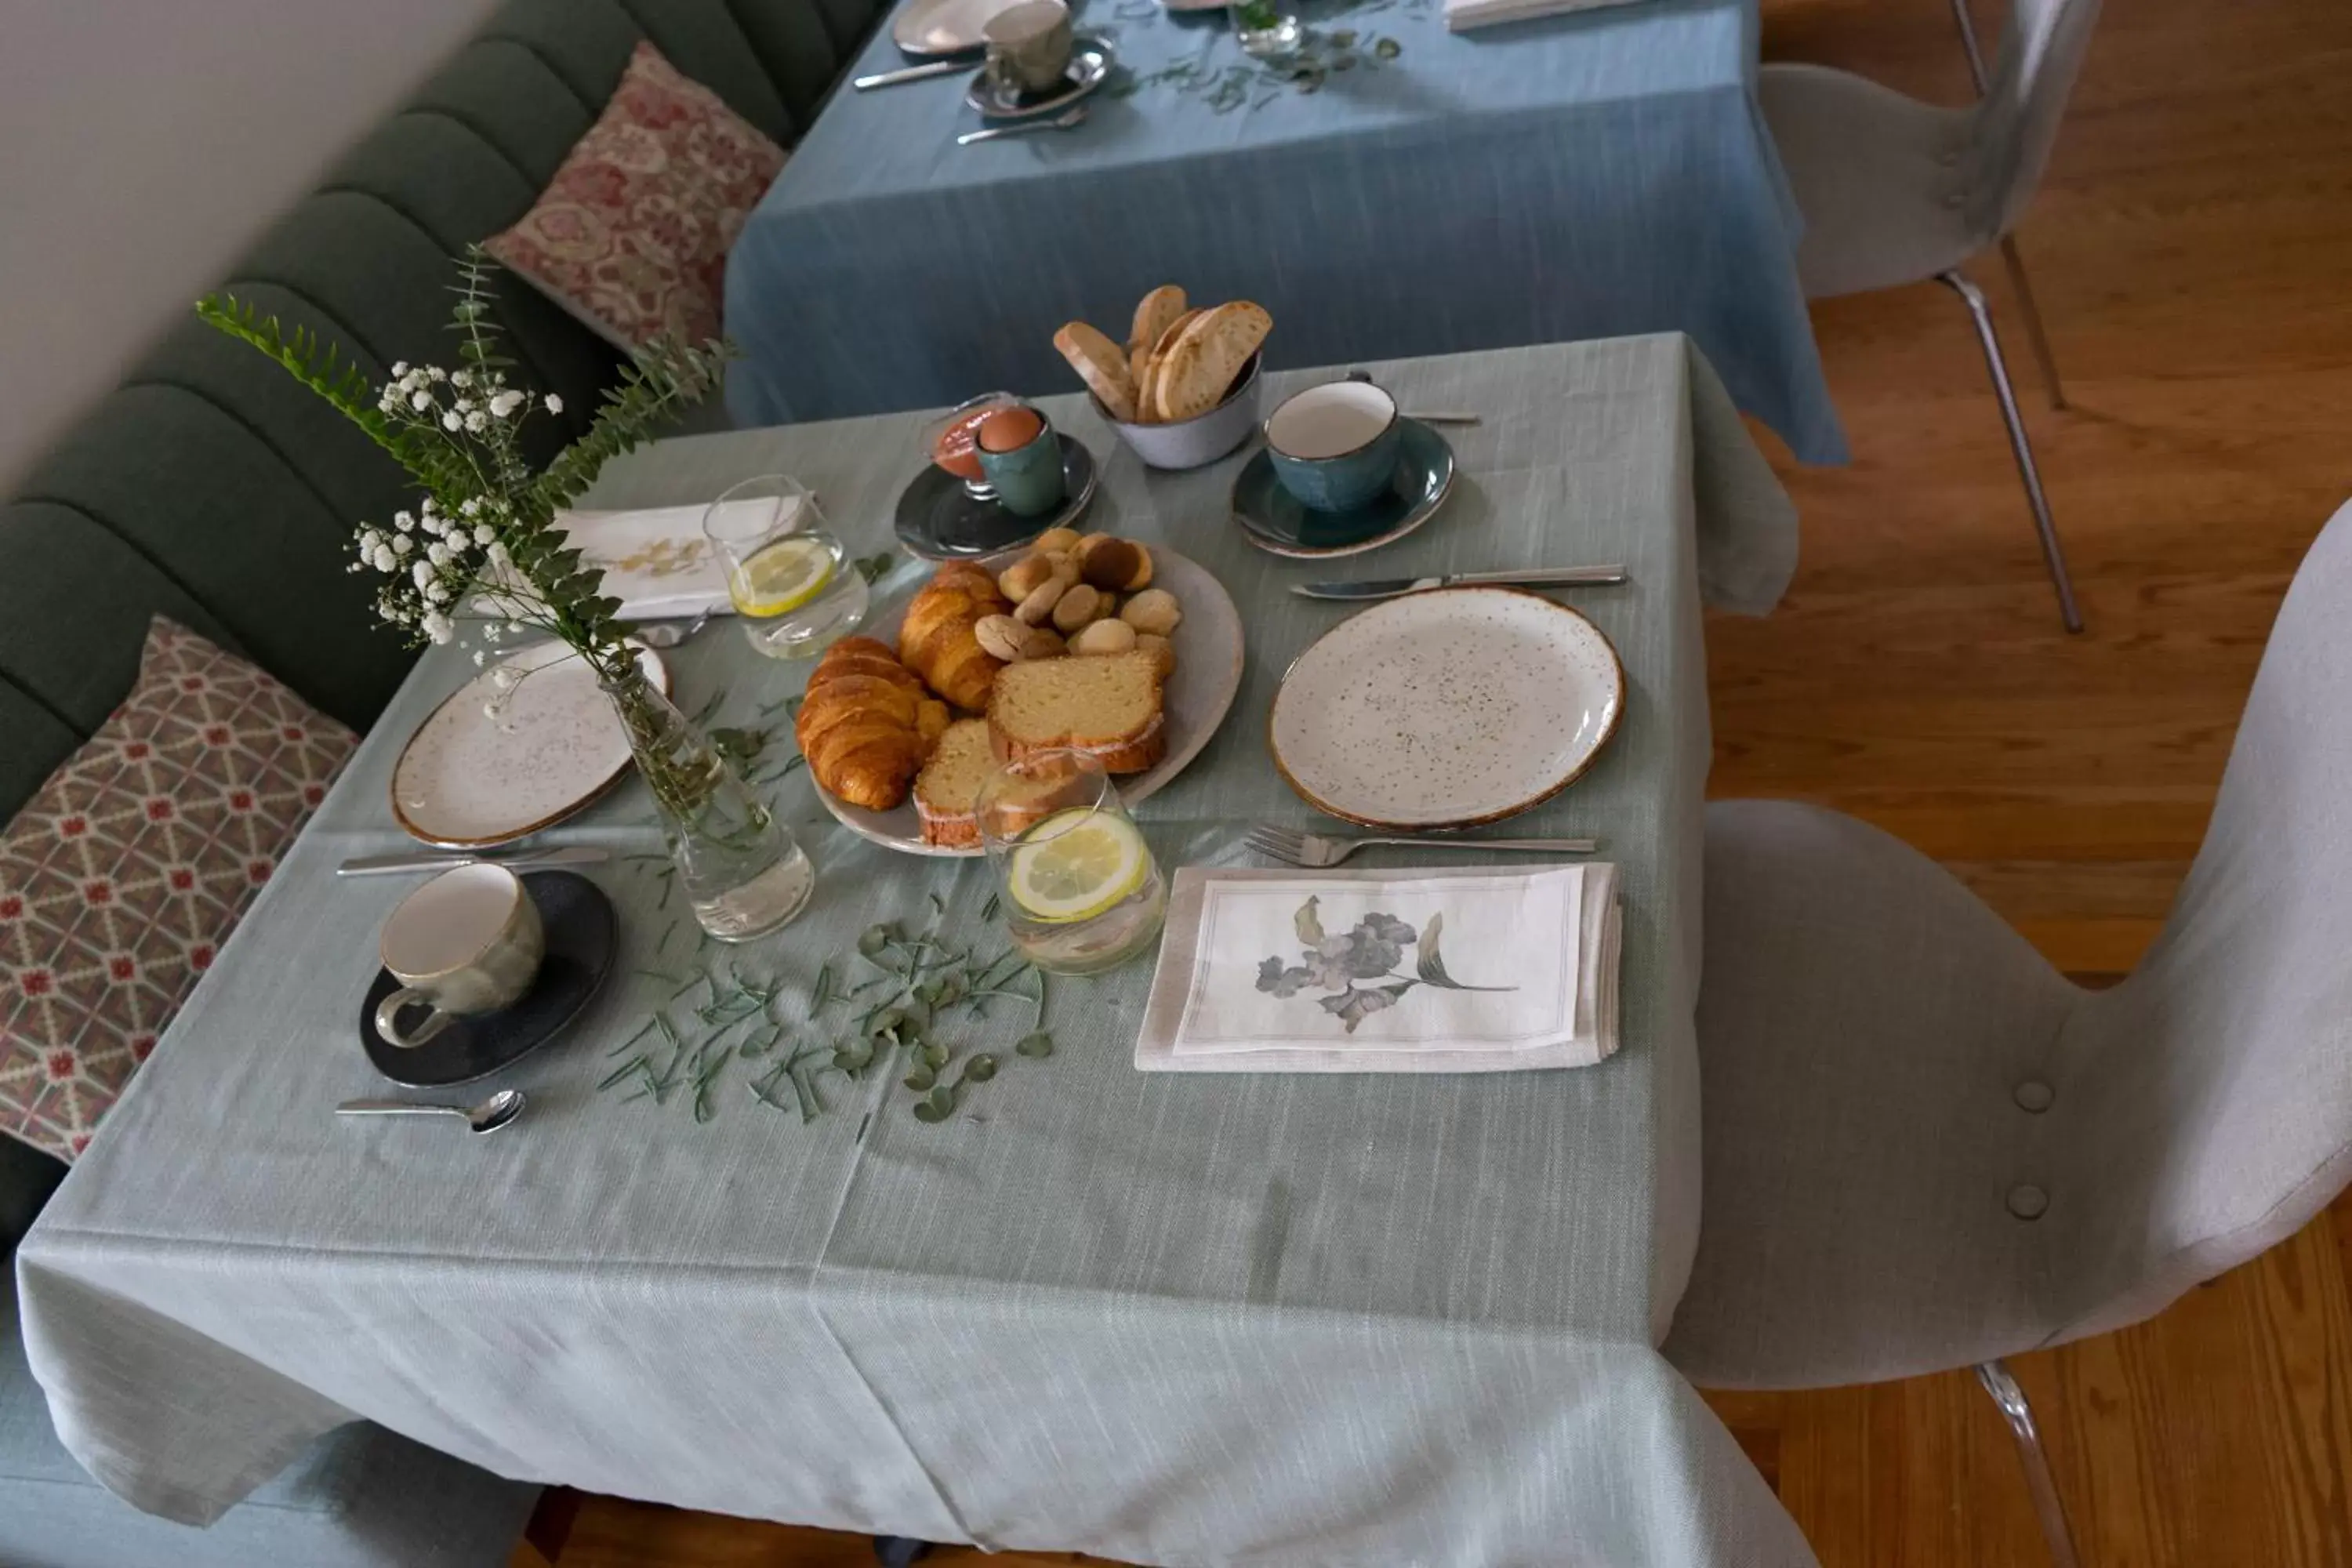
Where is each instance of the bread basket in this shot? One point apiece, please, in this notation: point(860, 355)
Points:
point(1196, 442)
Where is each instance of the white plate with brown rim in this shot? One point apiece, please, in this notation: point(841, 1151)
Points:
point(470, 777)
point(1447, 708)
point(1208, 647)
point(931, 29)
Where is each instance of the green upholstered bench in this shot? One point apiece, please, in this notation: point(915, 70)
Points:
point(210, 488)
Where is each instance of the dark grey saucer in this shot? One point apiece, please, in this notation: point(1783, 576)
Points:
point(1274, 519)
point(940, 519)
point(582, 940)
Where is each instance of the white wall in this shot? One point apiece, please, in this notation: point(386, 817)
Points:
point(144, 144)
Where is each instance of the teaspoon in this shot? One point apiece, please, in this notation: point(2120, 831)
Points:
point(487, 1117)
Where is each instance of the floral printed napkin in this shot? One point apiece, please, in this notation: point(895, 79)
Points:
point(1476, 970)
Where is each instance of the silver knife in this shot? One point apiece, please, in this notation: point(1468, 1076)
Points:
point(910, 73)
point(444, 860)
point(1525, 577)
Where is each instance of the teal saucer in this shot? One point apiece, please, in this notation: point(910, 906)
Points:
point(1274, 519)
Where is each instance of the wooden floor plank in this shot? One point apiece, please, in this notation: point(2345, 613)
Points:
point(2191, 249)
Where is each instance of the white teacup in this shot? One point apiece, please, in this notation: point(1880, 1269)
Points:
point(467, 942)
point(1029, 45)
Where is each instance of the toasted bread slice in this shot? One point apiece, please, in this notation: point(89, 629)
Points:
point(1103, 366)
point(1153, 313)
point(1206, 357)
point(951, 781)
point(1108, 707)
point(1147, 392)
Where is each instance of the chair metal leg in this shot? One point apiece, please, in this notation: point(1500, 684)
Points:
point(2034, 334)
point(2006, 1393)
point(2052, 555)
point(1969, 42)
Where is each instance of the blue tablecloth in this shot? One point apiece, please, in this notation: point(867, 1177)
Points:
point(1585, 177)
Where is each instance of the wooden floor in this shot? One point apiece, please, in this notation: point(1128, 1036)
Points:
point(2193, 252)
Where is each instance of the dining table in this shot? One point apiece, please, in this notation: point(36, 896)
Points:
point(1162, 1317)
point(1602, 174)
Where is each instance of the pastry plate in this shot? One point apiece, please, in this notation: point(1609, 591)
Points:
point(1278, 523)
point(1445, 709)
point(466, 780)
point(1208, 645)
point(581, 941)
point(932, 28)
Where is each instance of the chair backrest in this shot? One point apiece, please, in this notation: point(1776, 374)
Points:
point(2042, 51)
point(2212, 1093)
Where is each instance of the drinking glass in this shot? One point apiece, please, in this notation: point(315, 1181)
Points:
point(1078, 886)
point(1265, 30)
point(793, 586)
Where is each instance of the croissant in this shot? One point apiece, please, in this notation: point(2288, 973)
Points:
point(867, 725)
point(937, 640)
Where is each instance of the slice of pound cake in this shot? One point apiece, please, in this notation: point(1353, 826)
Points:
point(950, 781)
point(1106, 706)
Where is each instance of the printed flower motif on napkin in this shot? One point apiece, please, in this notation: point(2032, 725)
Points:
point(1372, 951)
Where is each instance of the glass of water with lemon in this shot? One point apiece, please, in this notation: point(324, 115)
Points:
point(792, 586)
point(1079, 889)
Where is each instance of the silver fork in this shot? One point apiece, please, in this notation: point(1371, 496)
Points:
point(1317, 850)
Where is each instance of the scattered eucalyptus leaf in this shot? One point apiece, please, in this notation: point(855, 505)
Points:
point(935, 1056)
point(924, 1111)
point(876, 567)
point(920, 1079)
point(1387, 48)
point(1037, 1045)
point(873, 940)
point(980, 1070)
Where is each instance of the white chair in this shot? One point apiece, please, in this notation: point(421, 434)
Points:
point(1926, 1150)
point(1895, 191)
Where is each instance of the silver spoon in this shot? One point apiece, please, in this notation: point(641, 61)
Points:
point(487, 1117)
point(668, 634)
point(1424, 416)
point(1074, 115)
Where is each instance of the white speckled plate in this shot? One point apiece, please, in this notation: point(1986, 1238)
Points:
point(933, 27)
point(466, 780)
point(1208, 645)
point(1447, 708)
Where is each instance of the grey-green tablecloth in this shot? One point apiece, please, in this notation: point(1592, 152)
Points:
point(1166, 1317)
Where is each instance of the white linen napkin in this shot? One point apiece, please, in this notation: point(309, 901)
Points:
point(1463, 14)
point(655, 560)
point(1447, 970)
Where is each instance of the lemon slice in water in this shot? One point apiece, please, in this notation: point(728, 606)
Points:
point(783, 576)
point(1076, 864)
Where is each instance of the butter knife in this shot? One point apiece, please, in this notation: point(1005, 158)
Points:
point(444, 860)
point(910, 73)
point(1527, 577)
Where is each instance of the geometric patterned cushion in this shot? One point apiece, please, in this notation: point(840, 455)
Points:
point(631, 236)
point(122, 877)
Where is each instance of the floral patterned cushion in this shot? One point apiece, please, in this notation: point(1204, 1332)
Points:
point(122, 877)
point(632, 237)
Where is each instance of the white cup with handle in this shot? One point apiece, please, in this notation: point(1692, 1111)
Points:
point(467, 942)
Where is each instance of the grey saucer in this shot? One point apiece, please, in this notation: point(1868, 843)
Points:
point(1274, 519)
point(940, 519)
point(1090, 63)
point(581, 944)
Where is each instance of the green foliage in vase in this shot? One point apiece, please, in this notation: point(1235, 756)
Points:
point(484, 532)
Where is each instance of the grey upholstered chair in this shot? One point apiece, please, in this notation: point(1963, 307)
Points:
point(1895, 191)
point(1926, 1150)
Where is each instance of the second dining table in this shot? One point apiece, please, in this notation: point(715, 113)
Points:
point(1584, 176)
point(1161, 1318)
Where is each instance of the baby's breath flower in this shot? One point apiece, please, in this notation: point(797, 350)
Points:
point(470, 505)
point(453, 420)
point(400, 367)
point(438, 626)
point(438, 554)
point(554, 404)
point(402, 521)
point(436, 593)
point(402, 544)
point(462, 378)
point(477, 422)
point(421, 401)
point(505, 403)
point(479, 657)
point(484, 536)
point(384, 560)
point(497, 553)
point(422, 572)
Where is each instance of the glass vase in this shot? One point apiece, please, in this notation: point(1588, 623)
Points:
point(741, 872)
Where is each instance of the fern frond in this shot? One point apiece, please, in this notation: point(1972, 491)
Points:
point(347, 389)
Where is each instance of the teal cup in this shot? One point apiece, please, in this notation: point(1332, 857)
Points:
point(1027, 479)
point(1337, 445)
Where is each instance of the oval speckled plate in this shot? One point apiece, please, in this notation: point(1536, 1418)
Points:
point(1208, 644)
point(467, 781)
point(1447, 708)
